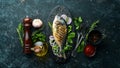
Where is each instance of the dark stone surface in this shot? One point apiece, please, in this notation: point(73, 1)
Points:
point(13, 11)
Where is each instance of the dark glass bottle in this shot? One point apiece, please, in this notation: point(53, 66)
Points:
point(27, 23)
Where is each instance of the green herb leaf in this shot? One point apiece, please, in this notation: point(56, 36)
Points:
point(77, 22)
point(37, 36)
point(66, 48)
point(80, 19)
point(92, 27)
point(77, 27)
point(70, 41)
point(94, 24)
point(19, 30)
point(71, 35)
point(55, 47)
point(50, 25)
point(69, 28)
point(81, 47)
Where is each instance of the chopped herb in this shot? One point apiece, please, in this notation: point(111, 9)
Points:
point(38, 36)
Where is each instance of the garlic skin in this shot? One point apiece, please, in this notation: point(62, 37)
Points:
point(37, 23)
point(38, 47)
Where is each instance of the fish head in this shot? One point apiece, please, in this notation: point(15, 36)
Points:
point(58, 20)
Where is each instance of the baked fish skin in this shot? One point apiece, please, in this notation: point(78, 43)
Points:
point(59, 32)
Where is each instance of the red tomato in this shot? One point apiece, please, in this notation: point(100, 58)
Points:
point(89, 50)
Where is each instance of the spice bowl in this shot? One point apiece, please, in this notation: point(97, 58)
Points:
point(95, 37)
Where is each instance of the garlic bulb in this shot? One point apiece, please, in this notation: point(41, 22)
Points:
point(37, 23)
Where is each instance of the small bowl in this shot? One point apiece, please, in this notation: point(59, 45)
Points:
point(95, 37)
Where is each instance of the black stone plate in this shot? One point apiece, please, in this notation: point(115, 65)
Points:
point(58, 10)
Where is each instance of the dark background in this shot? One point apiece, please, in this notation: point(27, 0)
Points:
point(13, 11)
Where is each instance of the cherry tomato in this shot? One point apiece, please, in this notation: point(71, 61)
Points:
point(89, 50)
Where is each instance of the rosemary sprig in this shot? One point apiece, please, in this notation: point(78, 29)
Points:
point(92, 27)
point(50, 25)
point(19, 30)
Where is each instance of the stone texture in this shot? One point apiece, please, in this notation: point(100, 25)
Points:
point(13, 11)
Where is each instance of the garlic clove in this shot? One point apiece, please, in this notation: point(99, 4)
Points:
point(37, 50)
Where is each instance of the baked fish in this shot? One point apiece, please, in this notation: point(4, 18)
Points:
point(59, 28)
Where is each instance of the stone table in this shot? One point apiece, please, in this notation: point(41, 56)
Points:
point(13, 11)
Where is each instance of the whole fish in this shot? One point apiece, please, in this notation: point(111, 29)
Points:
point(60, 32)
